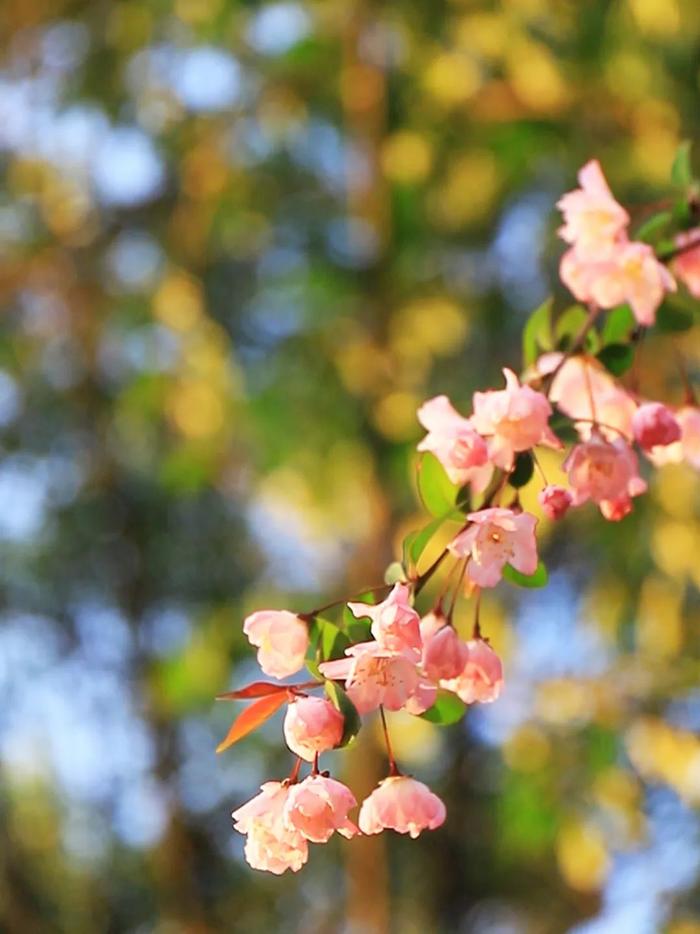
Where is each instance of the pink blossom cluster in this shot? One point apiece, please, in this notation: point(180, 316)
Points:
point(410, 662)
point(405, 664)
point(603, 266)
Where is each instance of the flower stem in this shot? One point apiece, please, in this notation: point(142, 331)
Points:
point(455, 592)
point(476, 634)
point(294, 774)
point(393, 768)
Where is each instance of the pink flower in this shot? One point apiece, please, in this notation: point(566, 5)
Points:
point(555, 501)
point(317, 807)
point(514, 418)
point(497, 537)
point(592, 216)
point(282, 639)
point(629, 273)
point(395, 624)
point(654, 425)
point(605, 472)
point(687, 264)
point(312, 725)
point(402, 804)
point(374, 676)
point(454, 441)
point(431, 623)
point(422, 698)
point(270, 845)
point(688, 448)
point(583, 390)
point(482, 677)
point(444, 654)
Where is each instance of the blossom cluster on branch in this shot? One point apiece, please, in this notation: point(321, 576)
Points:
point(383, 655)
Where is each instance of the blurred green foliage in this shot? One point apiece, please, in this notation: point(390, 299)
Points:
point(240, 243)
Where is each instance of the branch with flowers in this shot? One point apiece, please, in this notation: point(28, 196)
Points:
point(373, 654)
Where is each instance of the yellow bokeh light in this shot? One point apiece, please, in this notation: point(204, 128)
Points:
point(434, 322)
point(196, 409)
point(662, 753)
point(656, 17)
point(536, 77)
point(406, 157)
point(564, 701)
point(178, 301)
point(468, 190)
point(582, 856)
point(395, 415)
point(527, 750)
point(659, 618)
point(451, 78)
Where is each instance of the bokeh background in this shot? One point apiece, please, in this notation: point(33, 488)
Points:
point(239, 243)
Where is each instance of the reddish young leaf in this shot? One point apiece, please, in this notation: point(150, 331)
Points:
point(256, 689)
point(252, 717)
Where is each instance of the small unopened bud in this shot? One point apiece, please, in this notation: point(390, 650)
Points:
point(555, 501)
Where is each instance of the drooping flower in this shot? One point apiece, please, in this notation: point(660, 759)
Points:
point(592, 216)
point(282, 639)
point(455, 442)
point(513, 419)
point(687, 264)
point(688, 448)
point(494, 538)
point(629, 273)
point(271, 845)
point(395, 624)
point(402, 804)
point(312, 725)
point(481, 679)
point(655, 425)
point(555, 501)
point(587, 393)
point(317, 807)
point(605, 472)
point(374, 676)
point(432, 623)
point(444, 654)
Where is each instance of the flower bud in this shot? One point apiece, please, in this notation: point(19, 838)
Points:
point(482, 677)
point(312, 725)
point(444, 654)
point(655, 425)
point(555, 501)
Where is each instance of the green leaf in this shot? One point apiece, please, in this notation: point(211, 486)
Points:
point(619, 325)
point(682, 169)
point(538, 579)
point(358, 630)
point(523, 470)
point(341, 701)
point(437, 493)
point(568, 327)
point(416, 542)
point(447, 709)
point(653, 226)
point(333, 641)
point(314, 628)
point(313, 668)
point(617, 358)
point(671, 319)
point(395, 573)
point(537, 334)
